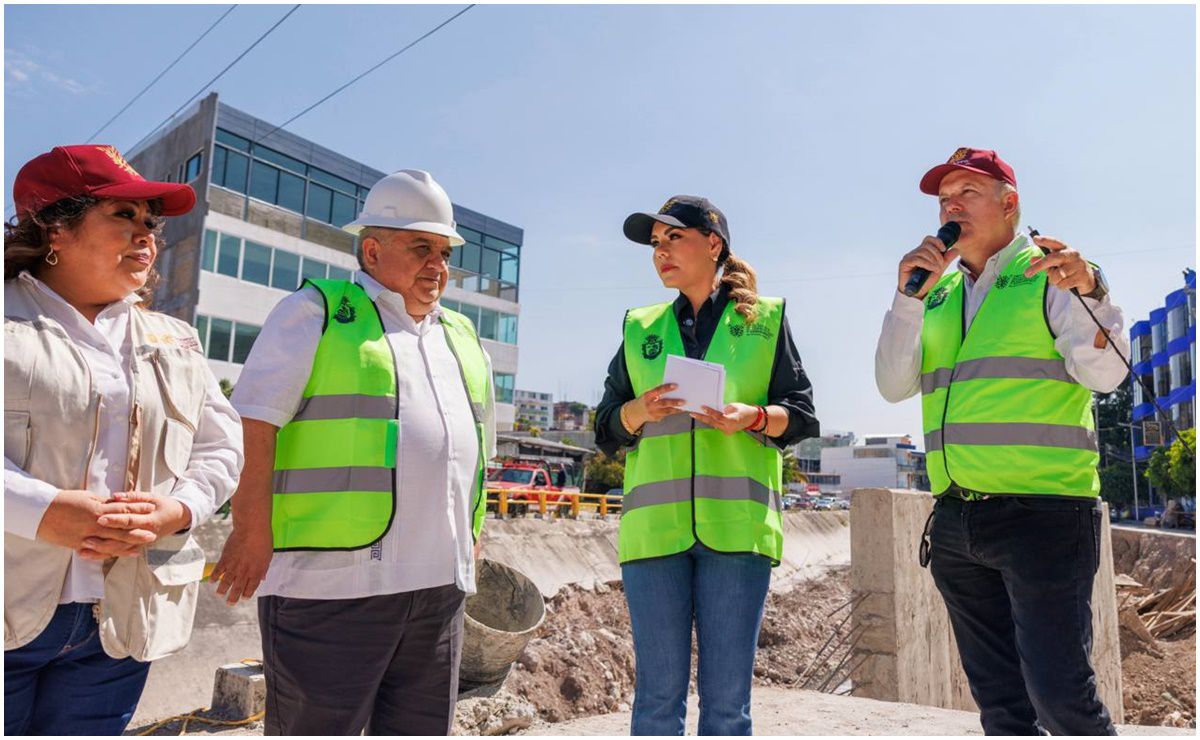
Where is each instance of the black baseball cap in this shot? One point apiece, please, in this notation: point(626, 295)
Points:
point(684, 211)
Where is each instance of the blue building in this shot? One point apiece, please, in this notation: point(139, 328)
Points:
point(1164, 357)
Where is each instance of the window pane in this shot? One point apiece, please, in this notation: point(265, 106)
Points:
point(218, 165)
point(333, 181)
point(232, 140)
point(264, 181)
point(312, 269)
point(256, 263)
point(500, 244)
point(471, 311)
point(491, 263)
point(456, 256)
point(509, 268)
point(319, 202)
point(470, 257)
point(285, 273)
point(193, 168)
point(219, 339)
point(487, 323)
point(243, 340)
point(508, 329)
point(282, 160)
point(236, 166)
point(338, 273)
point(202, 331)
point(447, 303)
point(227, 258)
point(470, 235)
point(344, 209)
point(208, 255)
point(291, 192)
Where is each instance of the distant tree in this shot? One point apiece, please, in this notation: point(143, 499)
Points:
point(1173, 469)
point(1116, 484)
point(226, 387)
point(791, 469)
point(604, 472)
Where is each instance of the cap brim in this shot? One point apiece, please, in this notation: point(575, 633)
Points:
point(429, 227)
point(933, 178)
point(177, 198)
point(639, 226)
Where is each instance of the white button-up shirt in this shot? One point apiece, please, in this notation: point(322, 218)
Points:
point(429, 543)
point(212, 471)
point(898, 353)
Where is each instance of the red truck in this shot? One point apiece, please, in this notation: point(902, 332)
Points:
point(526, 479)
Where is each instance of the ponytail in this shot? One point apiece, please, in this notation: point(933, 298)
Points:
point(739, 277)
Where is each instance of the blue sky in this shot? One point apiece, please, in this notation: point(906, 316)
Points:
point(809, 126)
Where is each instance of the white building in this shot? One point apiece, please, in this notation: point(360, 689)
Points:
point(537, 407)
point(879, 461)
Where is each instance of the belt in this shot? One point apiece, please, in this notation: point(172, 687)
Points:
point(962, 494)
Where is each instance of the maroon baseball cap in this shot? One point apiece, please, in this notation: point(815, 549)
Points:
point(96, 170)
point(983, 161)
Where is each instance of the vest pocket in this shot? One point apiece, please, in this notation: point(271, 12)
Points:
point(149, 601)
point(18, 437)
point(176, 446)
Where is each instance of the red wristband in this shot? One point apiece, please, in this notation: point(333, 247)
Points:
point(760, 419)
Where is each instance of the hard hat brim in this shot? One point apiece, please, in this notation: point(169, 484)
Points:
point(431, 227)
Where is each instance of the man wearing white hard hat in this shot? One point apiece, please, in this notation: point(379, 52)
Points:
point(368, 412)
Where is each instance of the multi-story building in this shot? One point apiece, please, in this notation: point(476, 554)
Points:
point(1163, 352)
point(269, 209)
point(881, 461)
point(535, 408)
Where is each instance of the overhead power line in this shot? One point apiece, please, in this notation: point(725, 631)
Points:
point(220, 74)
point(168, 68)
point(410, 45)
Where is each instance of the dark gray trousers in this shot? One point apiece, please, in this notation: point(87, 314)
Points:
point(384, 664)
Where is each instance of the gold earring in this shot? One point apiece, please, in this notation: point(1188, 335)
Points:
point(715, 259)
point(51, 258)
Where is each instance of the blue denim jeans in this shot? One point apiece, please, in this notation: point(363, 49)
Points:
point(1016, 575)
point(63, 683)
point(723, 594)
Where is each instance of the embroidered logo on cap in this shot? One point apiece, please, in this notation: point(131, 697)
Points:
point(959, 155)
point(118, 160)
point(712, 216)
point(667, 206)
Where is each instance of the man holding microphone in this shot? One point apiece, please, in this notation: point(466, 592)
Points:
point(1006, 359)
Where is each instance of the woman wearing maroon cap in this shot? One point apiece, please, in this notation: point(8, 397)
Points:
point(117, 443)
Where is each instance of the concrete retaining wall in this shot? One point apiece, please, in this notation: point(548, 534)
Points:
point(907, 650)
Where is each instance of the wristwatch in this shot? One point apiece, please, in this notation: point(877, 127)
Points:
point(1101, 288)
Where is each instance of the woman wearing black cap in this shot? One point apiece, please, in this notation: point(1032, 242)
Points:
point(117, 441)
point(702, 520)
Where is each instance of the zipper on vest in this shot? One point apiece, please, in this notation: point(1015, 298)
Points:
point(87, 465)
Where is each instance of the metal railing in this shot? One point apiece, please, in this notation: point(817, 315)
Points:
point(542, 502)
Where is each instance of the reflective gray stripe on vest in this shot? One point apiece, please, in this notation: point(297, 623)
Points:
point(707, 486)
point(1033, 435)
point(1023, 368)
point(346, 406)
point(327, 480)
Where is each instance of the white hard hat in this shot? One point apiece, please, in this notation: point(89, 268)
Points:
point(411, 200)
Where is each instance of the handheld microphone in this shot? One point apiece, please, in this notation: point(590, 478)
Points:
point(948, 234)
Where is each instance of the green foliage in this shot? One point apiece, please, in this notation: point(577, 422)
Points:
point(1116, 484)
point(791, 469)
point(1172, 469)
point(226, 387)
point(604, 472)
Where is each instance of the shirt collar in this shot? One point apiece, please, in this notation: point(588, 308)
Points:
point(125, 303)
point(392, 300)
point(717, 300)
point(999, 259)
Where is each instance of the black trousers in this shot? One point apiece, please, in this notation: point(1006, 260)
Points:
point(385, 664)
point(1016, 574)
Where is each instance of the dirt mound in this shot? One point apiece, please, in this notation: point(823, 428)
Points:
point(1159, 680)
point(581, 663)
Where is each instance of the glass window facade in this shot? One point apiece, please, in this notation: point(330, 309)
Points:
point(225, 340)
point(486, 264)
point(505, 384)
point(260, 264)
point(192, 168)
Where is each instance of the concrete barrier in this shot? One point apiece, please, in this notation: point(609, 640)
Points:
point(907, 651)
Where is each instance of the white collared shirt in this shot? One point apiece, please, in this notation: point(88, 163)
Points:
point(212, 471)
point(429, 543)
point(898, 353)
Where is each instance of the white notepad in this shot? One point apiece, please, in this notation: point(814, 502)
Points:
point(699, 383)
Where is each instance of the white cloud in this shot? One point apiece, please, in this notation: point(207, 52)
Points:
point(21, 70)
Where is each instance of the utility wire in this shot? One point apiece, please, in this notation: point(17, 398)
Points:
point(421, 38)
point(160, 75)
point(220, 74)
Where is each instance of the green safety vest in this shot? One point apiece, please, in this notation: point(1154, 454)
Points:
point(335, 461)
point(686, 482)
point(1000, 412)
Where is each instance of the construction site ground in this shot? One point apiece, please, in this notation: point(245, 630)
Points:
point(576, 676)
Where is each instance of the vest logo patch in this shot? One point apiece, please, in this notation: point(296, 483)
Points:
point(652, 347)
point(753, 330)
point(937, 298)
point(345, 313)
point(1013, 281)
